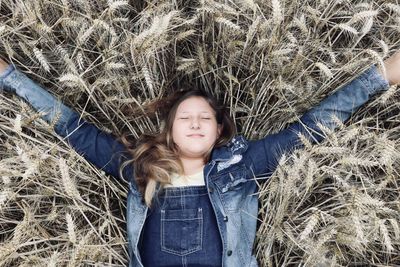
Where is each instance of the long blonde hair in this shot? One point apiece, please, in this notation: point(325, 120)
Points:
point(155, 156)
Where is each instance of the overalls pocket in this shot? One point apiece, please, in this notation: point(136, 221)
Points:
point(181, 231)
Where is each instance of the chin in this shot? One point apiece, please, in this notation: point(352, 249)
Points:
point(196, 153)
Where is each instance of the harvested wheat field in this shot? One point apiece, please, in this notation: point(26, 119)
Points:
point(336, 203)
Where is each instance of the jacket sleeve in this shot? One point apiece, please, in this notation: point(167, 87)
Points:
point(98, 147)
point(266, 152)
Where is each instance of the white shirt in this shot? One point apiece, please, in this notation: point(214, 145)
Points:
point(196, 179)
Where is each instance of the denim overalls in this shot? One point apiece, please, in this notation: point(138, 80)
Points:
point(182, 228)
point(230, 175)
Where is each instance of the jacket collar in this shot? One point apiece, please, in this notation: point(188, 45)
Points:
point(238, 145)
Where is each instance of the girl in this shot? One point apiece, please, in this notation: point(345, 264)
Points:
point(192, 197)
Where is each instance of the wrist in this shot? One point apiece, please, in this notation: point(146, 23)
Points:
point(3, 65)
point(390, 69)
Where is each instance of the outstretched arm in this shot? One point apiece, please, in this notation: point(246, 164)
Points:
point(100, 148)
point(266, 152)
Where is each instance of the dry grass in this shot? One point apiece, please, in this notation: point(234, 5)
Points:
point(333, 204)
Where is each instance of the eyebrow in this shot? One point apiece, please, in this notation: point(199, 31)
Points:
point(189, 112)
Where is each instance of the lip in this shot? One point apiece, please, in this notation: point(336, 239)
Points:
point(195, 135)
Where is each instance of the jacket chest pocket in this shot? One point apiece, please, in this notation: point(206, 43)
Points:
point(232, 187)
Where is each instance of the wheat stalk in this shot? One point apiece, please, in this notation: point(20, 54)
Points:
point(115, 5)
point(268, 61)
point(71, 228)
point(277, 12)
point(42, 60)
point(68, 183)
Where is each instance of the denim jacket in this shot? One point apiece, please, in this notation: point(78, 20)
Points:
point(231, 173)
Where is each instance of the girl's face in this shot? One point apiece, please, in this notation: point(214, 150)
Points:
point(195, 128)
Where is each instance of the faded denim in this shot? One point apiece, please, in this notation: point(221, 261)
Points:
point(229, 175)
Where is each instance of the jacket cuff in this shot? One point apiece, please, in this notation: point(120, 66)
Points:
point(374, 81)
point(10, 68)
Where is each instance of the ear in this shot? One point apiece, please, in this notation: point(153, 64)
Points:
point(219, 129)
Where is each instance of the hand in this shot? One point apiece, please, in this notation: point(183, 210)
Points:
point(3, 65)
point(392, 69)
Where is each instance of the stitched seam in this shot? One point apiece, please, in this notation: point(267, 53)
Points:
point(201, 228)
point(194, 195)
point(198, 240)
point(239, 251)
point(184, 261)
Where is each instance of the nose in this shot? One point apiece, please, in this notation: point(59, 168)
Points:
point(194, 124)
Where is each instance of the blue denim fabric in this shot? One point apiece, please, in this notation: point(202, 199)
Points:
point(183, 230)
point(230, 174)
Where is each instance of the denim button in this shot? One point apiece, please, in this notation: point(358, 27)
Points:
point(210, 189)
point(229, 252)
point(225, 218)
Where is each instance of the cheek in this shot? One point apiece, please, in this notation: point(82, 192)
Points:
point(175, 133)
point(173, 136)
point(213, 133)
